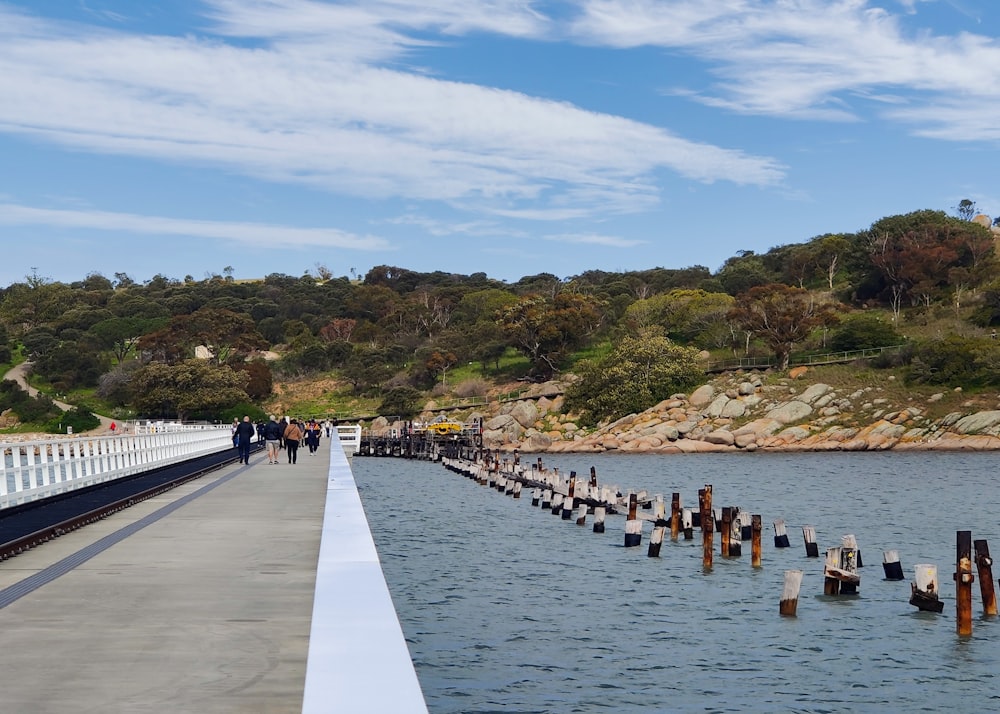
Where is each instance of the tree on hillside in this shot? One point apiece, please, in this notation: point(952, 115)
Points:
point(688, 316)
point(121, 334)
point(181, 390)
point(915, 252)
point(547, 329)
point(782, 316)
point(640, 371)
point(966, 209)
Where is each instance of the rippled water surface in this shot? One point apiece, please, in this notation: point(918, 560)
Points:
point(507, 608)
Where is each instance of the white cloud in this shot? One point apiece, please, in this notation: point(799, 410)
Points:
point(595, 239)
point(260, 234)
point(814, 58)
point(308, 106)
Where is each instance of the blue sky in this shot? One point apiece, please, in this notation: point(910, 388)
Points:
point(510, 137)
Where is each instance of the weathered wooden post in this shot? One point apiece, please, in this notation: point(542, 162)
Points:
point(656, 541)
point(984, 563)
point(841, 569)
point(726, 531)
point(963, 581)
point(581, 514)
point(568, 504)
point(755, 534)
point(891, 565)
point(707, 529)
point(675, 516)
point(687, 523)
point(599, 512)
point(593, 478)
point(736, 532)
point(790, 593)
point(536, 496)
point(809, 536)
point(696, 522)
point(780, 535)
point(517, 489)
point(924, 589)
point(633, 526)
point(547, 498)
point(557, 504)
point(831, 585)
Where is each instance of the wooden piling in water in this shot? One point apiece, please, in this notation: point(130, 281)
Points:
point(809, 536)
point(547, 498)
point(569, 504)
point(707, 528)
point(891, 566)
point(726, 531)
point(633, 526)
point(687, 523)
point(984, 564)
point(735, 532)
point(675, 516)
point(581, 514)
point(780, 535)
point(924, 589)
point(656, 541)
point(755, 534)
point(963, 581)
point(557, 504)
point(536, 496)
point(599, 512)
point(789, 603)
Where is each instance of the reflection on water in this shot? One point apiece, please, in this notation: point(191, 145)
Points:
point(508, 608)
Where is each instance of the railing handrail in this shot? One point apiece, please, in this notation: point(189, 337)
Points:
point(31, 470)
point(801, 360)
point(350, 437)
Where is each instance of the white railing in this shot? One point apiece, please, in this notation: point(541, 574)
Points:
point(38, 469)
point(160, 427)
point(350, 438)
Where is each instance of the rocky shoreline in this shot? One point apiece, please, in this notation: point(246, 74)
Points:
point(743, 414)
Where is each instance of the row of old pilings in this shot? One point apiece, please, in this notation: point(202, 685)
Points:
point(574, 499)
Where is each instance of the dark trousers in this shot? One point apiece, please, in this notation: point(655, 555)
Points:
point(292, 446)
point(244, 448)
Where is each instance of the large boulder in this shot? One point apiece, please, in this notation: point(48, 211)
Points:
point(702, 396)
point(525, 413)
point(814, 392)
point(977, 423)
point(790, 412)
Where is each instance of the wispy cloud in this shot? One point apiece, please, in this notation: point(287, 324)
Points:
point(315, 101)
point(816, 59)
point(595, 239)
point(242, 233)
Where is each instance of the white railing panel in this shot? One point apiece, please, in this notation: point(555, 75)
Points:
point(350, 438)
point(36, 469)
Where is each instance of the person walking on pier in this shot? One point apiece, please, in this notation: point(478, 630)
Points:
point(312, 436)
point(293, 434)
point(272, 438)
point(245, 433)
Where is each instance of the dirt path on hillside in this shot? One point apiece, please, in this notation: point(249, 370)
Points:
point(19, 374)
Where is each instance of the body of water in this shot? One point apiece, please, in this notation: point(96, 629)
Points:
point(507, 608)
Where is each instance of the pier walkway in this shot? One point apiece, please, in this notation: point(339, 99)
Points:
point(252, 589)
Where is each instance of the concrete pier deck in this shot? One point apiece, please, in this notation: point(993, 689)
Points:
point(202, 600)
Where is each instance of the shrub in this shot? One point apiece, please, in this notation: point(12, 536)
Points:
point(401, 401)
point(637, 374)
point(863, 331)
point(79, 419)
point(472, 388)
